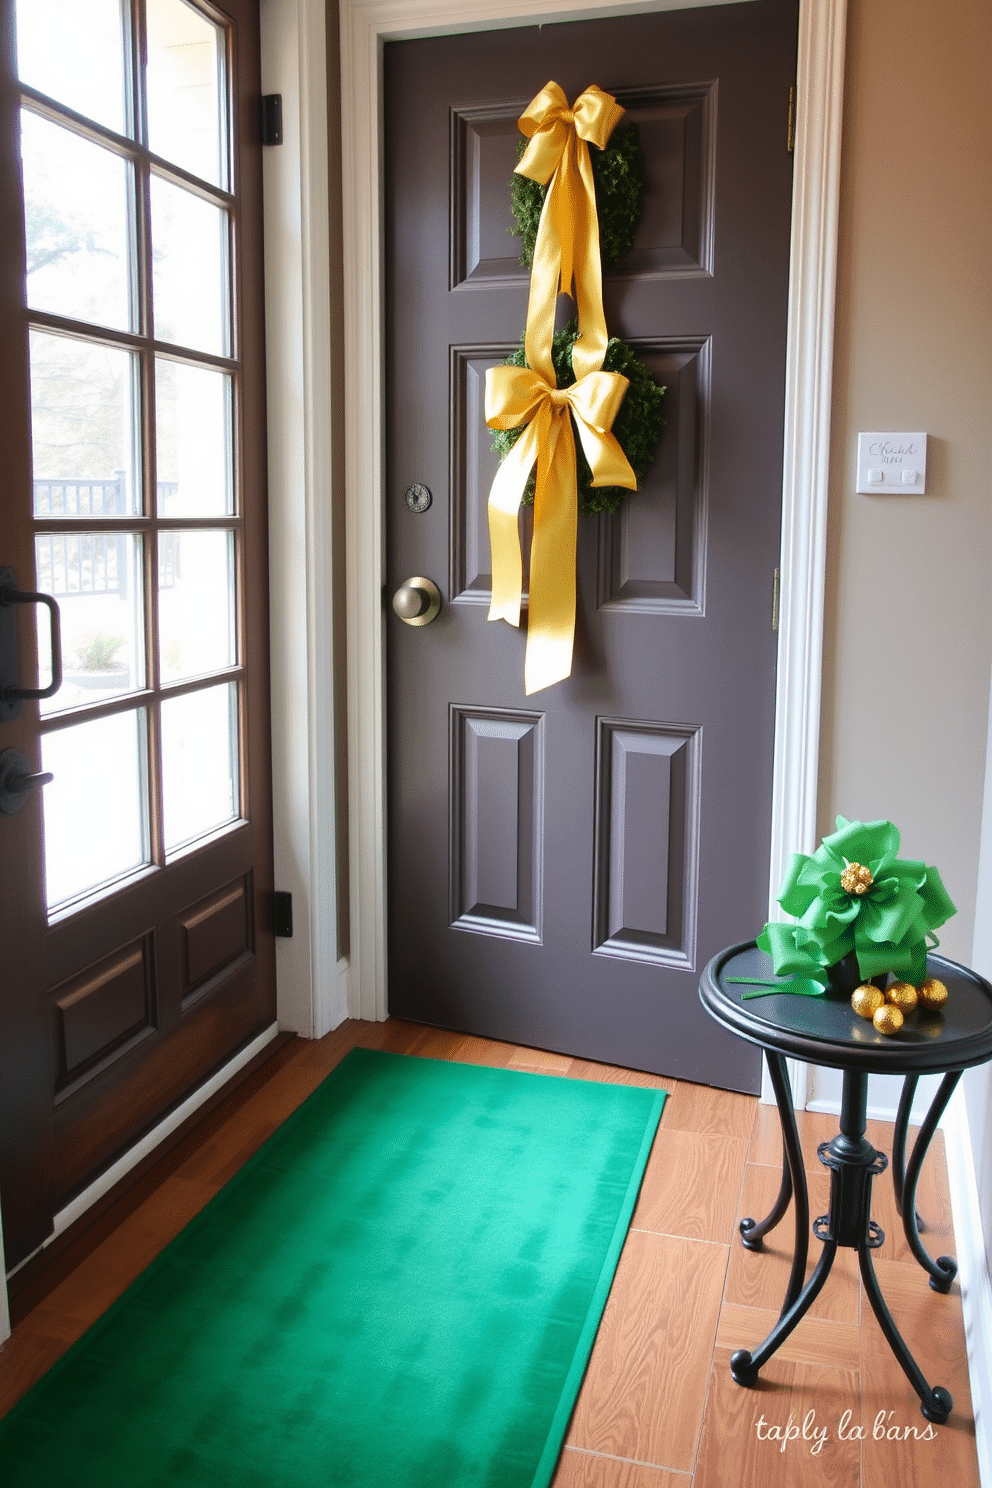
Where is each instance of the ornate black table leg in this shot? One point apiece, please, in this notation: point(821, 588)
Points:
point(936, 1403)
point(943, 1270)
point(753, 1231)
point(853, 1163)
point(745, 1363)
point(793, 1181)
point(909, 1085)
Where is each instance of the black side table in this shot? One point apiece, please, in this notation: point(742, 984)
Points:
point(826, 1031)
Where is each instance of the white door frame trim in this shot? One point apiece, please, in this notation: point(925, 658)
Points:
point(311, 991)
point(365, 26)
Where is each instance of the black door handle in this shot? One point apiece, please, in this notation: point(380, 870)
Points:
point(16, 779)
point(11, 694)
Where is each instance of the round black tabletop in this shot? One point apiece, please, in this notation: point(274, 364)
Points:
point(826, 1030)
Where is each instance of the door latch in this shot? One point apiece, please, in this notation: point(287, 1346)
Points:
point(270, 116)
point(281, 912)
point(11, 693)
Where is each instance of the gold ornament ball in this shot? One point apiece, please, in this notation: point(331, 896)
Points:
point(866, 1000)
point(888, 1019)
point(856, 879)
point(932, 994)
point(902, 995)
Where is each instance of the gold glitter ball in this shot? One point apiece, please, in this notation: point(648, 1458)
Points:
point(856, 879)
point(866, 1000)
point(902, 995)
point(932, 994)
point(888, 1019)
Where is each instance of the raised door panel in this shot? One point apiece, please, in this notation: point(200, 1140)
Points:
point(217, 936)
point(483, 154)
point(647, 842)
point(676, 130)
point(102, 1011)
point(100, 1117)
point(496, 810)
point(472, 467)
point(652, 553)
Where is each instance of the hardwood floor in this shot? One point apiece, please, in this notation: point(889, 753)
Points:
point(657, 1408)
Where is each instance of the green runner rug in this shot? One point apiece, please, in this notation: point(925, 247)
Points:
point(400, 1288)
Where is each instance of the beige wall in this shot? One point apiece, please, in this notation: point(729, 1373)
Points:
point(908, 633)
point(909, 604)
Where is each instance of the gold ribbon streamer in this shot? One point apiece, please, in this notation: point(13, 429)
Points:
point(567, 246)
point(518, 396)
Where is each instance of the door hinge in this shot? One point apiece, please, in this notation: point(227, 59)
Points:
point(775, 585)
point(270, 118)
point(281, 913)
point(790, 139)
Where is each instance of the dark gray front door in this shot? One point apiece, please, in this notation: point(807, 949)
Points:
point(562, 865)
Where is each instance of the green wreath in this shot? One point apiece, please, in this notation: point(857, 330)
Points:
point(617, 175)
point(637, 427)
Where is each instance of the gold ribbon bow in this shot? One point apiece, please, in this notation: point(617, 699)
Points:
point(567, 246)
point(518, 396)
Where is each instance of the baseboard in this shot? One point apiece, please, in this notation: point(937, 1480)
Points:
point(105, 1203)
point(973, 1271)
point(4, 1309)
point(973, 1274)
point(875, 1112)
point(799, 1083)
point(154, 1139)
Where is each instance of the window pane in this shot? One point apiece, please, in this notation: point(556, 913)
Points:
point(196, 603)
point(96, 578)
point(189, 252)
point(72, 50)
point(199, 763)
point(186, 91)
point(94, 809)
point(193, 440)
point(83, 428)
point(76, 220)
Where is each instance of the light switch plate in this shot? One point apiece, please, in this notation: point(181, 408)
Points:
point(892, 462)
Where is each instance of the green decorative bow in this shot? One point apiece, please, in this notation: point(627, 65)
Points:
point(855, 894)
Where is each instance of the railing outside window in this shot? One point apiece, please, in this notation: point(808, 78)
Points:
point(94, 563)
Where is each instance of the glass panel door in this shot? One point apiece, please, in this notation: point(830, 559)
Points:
point(134, 888)
point(130, 219)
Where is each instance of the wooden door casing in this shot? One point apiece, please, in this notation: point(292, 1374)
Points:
point(122, 1006)
point(559, 865)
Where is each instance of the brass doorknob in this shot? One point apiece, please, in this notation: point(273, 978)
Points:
point(417, 601)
